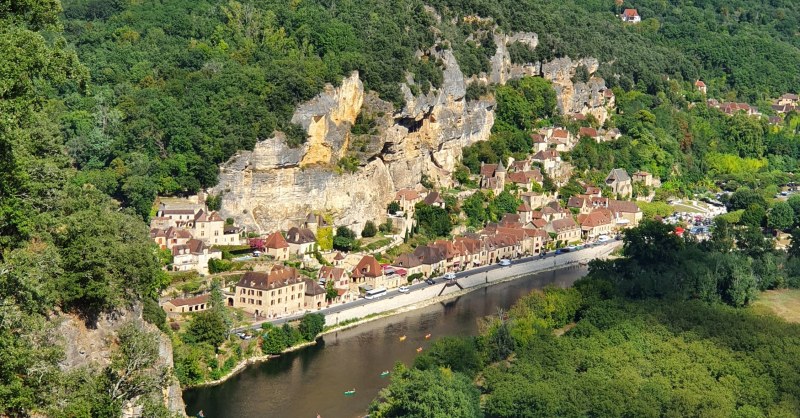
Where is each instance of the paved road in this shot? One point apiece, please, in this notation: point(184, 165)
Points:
point(535, 263)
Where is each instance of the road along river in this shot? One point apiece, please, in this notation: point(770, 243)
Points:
point(313, 380)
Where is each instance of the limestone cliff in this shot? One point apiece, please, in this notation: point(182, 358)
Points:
point(274, 186)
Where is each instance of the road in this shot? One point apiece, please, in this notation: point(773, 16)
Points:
point(468, 278)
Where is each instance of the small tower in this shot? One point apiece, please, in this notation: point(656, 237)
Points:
point(500, 174)
point(311, 223)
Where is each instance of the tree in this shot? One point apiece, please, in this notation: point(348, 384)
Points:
point(433, 221)
point(754, 216)
point(794, 246)
point(325, 238)
point(345, 239)
point(311, 325)
point(136, 368)
point(369, 230)
point(393, 207)
point(330, 291)
point(434, 393)
point(274, 341)
point(207, 327)
point(780, 216)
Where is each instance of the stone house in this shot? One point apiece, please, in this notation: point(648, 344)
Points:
point(561, 140)
point(566, 230)
point(701, 86)
point(346, 291)
point(188, 305)
point(620, 183)
point(643, 177)
point(210, 228)
point(631, 16)
point(580, 202)
point(628, 214)
point(434, 199)
point(524, 179)
point(525, 213)
point(194, 255)
point(539, 142)
point(407, 198)
point(276, 246)
point(598, 222)
point(279, 292)
point(408, 262)
point(535, 199)
point(432, 259)
point(789, 99)
point(170, 237)
point(550, 160)
point(314, 297)
point(470, 250)
point(493, 177)
point(500, 245)
point(301, 240)
point(590, 133)
point(368, 274)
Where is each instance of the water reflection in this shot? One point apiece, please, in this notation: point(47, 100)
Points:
point(313, 380)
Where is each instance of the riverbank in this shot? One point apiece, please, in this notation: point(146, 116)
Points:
point(347, 318)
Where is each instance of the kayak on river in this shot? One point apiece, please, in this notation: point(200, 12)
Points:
point(419, 349)
point(403, 338)
point(350, 392)
point(385, 373)
point(427, 336)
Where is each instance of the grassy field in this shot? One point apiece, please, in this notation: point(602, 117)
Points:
point(785, 303)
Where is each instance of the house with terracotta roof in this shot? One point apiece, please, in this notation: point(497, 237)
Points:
point(276, 246)
point(565, 229)
point(789, 99)
point(561, 140)
point(368, 274)
point(279, 292)
point(609, 99)
point(470, 250)
point(643, 177)
point(501, 245)
point(407, 198)
point(170, 237)
point(174, 307)
point(539, 142)
point(524, 179)
point(581, 203)
point(627, 214)
point(701, 86)
point(631, 16)
point(194, 255)
point(408, 262)
point(301, 240)
point(596, 223)
point(590, 133)
point(493, 177)
point(620, 183)
point(434, 199)
point(525, 213)
point(338, 276)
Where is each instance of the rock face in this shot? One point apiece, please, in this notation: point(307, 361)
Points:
point(274, 186)
point(93, 347)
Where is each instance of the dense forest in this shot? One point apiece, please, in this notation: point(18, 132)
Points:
point(655, 333)
point(177, 87)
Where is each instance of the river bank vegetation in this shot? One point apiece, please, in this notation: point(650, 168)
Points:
point(658, 332)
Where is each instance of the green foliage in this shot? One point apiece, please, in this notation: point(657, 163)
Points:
point(780, 216)
point(393, 207)
point(214, 202)
point(311, 325)
point(651, 210)
point(274, 341)
point(207, 327)
point(152, 313)
point(433, 221)
point(345, 239)
point(369, 230)
point(434, 393)
point(325, 238)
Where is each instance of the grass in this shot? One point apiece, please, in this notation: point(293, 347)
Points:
point(784, 303)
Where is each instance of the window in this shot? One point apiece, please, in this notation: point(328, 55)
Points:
point(272, 302)
point(260, 292)
point(258, 302)
point(273, 293)
point(279, 300)
point(241, 300)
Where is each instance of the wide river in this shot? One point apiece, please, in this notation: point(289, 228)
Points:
point(313, 380)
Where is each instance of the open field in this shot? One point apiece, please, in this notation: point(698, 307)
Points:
point(785, 303)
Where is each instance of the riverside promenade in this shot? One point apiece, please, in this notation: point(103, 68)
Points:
point(422, 294)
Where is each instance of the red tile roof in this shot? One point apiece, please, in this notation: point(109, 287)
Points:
point(276, 241)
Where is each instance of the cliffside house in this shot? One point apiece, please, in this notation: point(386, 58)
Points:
point(170, 237)
point(627, 214)
point(566, 230)
point(789, 99)
point(631, 16)
point(178, 306)
point(561, 140)
point(194, 255)
point(643, 177)
point(314, 222)
point(620, 183)
point(300, 240)
point(596, 223)
point(701, 86)
point(314, 297)
point(550, 160)
point(493, 177)
point(524, 179)
point(276, 246)
point(431, 259)
point(539, 142)
point(590, 133)
point(581, 203)
point(407, 198)
point(341, 282)
point(279, 292)
point(609, 99)
point(536, 199)
point(434, 199)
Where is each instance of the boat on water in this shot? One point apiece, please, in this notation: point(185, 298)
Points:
point(385, 373)
point(427, 336)
point(403, 338)
point(419, 349)
point(350, 392)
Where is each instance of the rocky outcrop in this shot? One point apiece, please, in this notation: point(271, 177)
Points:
point(274, 186)
point(93, 347)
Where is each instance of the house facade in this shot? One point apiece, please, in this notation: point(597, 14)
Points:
point(178, 306)
point(279, 292)
point(620, 183)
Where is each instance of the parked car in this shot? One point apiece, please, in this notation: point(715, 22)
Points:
point(505, 262)
point(404, 289)
point(430, 281)
point(450, 276)
point(603, 238)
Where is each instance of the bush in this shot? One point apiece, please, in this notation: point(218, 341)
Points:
point(311, 325)
point(369, 230)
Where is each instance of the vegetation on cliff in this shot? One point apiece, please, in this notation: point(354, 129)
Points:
point(656, 333)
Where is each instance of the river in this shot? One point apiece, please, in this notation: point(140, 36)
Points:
point(312, 380)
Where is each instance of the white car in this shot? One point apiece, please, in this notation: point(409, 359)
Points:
point(450, 276)
point(603, 238)
point(505, 262)
point(404, 289)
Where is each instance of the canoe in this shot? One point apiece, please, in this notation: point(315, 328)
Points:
point(350, 392)
point(384, 374)
point(419, 350)
point(403, 338)
point(427, 336)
